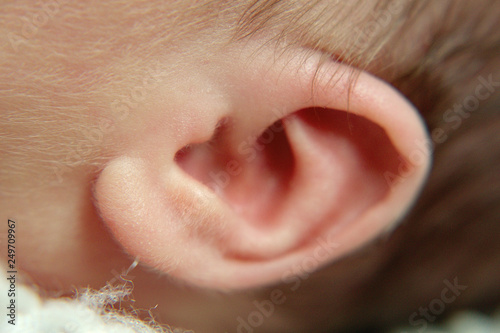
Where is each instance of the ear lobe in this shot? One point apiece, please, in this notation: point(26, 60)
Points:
point(240, 205)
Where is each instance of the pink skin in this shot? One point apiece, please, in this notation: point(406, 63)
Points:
point(153, 203)
point(173, 222)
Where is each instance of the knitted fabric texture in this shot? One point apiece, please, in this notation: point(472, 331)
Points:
point(98, 311)
point(89, 311)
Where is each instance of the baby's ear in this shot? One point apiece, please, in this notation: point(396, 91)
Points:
point(268, 165)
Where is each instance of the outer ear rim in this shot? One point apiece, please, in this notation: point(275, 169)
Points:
point(128, 174)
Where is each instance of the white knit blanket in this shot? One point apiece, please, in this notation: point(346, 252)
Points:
point(88, 312)
point(91, 312)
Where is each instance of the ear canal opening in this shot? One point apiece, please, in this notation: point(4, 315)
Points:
point(247, 174)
